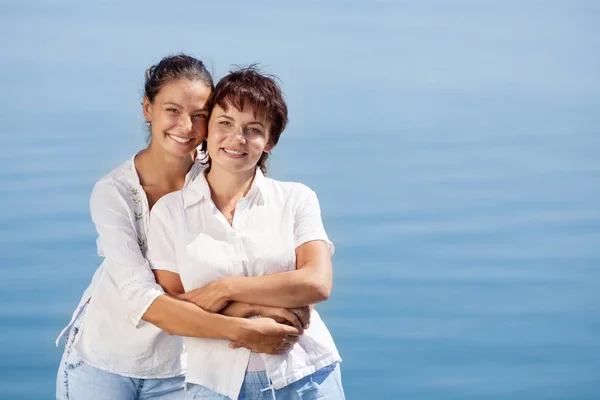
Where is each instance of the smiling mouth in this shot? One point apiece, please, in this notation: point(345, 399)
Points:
point(233, 153)
point(179, 139)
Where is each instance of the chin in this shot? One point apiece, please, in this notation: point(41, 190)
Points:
point(180, 152)
point(233, 168)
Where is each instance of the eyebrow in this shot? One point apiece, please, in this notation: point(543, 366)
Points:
point(177, 105)
point(231, 119)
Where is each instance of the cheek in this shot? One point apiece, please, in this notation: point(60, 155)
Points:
point(167, 121)
point(258, 144)
point(215, 134)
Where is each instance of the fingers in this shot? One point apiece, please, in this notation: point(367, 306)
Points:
point(237, 345)
point(291, 330)
point(303, 315)
point(287, 343)
point(291, 339)
point(283, 347)
point(292, 318)
point(277, 347)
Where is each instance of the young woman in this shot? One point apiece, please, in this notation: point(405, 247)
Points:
point(119, 343)
point(235, 235)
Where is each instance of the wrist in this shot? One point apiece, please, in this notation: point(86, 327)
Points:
point(238, 328)
point(227, 288)
point(253, 310)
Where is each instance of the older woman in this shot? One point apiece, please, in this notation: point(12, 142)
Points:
point(235, 235)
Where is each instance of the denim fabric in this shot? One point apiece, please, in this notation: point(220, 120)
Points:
point(325, 383)
point(77, 380)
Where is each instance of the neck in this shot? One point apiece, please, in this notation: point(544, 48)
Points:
point(226, 186)
point(155, 165)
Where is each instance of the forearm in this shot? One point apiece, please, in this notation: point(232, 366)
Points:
point(181, 318)
point(291, 289)
point(239, 310)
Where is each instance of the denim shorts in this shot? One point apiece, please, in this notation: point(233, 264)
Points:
point(325, 383)
point(77, 380)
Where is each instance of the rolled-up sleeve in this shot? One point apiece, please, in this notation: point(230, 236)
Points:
point(161, 240)
point(124, 260)
point(308, 225)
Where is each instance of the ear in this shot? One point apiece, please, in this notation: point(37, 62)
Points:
point(269, 147)
point(147, 109)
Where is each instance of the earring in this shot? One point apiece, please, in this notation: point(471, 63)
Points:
point(147, 123)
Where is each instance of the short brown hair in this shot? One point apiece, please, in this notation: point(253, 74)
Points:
point(248, 86)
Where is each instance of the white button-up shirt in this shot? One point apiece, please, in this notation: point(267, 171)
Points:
point(113, 337)
point(189, 236)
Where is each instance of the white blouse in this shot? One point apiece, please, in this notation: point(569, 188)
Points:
point(112, 336)
point(189, 236)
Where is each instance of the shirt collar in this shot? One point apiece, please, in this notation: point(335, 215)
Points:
point(199, 189)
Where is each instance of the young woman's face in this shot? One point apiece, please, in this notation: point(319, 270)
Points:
point(236, 139)
point(178, 119)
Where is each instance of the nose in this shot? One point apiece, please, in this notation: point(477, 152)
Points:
point(239, 135)
point(186, 124)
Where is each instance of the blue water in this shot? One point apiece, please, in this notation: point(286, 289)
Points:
point(455, 148)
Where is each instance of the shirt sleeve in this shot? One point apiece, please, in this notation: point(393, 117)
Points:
point(161, 253)
point(124, 260)
point(308, 224)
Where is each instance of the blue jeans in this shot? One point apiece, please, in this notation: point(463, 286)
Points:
point(325, 383)
point(77, 380)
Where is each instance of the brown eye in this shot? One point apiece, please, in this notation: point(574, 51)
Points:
point(254, 131)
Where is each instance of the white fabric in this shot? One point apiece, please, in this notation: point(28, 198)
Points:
point(113, 337)
point(189, 236)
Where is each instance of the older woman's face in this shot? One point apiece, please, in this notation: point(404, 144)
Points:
point(236, 139)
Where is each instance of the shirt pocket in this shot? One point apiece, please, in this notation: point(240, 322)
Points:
point(269, 254)
point(209, 259)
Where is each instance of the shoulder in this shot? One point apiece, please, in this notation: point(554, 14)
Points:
point(293, 192)
point(168, 206)
point(120, 184)
point(288, 187)
point(122, 176)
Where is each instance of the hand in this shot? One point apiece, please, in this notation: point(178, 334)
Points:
point(211, 298)
point(303, 314)
point(279, 315)
point(298, 317)
point(240, 310)
point(264, 335)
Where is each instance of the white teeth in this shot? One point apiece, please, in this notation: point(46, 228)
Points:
point(233, 152)
point(179, 140)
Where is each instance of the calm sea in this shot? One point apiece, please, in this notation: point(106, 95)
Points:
point(455, 148)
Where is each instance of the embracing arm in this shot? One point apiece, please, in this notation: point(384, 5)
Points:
point(118, 242)
point(309, 283)
point(171, 283)
point(143, 298)
point(263, 335)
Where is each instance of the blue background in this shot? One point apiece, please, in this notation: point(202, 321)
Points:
point(454, 146)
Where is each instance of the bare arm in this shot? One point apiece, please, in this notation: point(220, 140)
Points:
point(300, 318)
point(266, 335)
point(181, 318)
point(310, 283)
